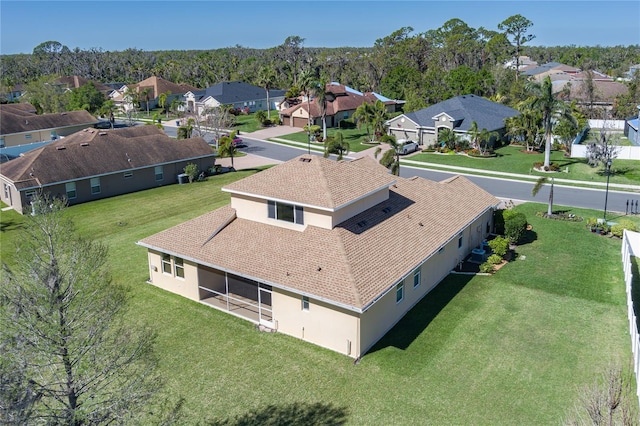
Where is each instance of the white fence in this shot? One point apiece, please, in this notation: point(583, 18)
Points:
point(631, 247)
point(623, 152)
point(607, 124)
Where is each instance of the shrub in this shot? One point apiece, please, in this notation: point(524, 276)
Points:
point(487, 268)
point(192, 171)
point(619, 228)
point(499, 246)
point(498, 221)
point(515, 225)
point(494, 259)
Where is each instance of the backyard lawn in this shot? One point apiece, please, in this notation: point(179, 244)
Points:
point(512, 348)
point(513, 159)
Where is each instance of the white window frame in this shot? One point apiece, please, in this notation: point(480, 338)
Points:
point(159, 173)
point(178, 267)
point(95, 186)
point(70, 189)
point(400, 292)
point(166, 262)
point(417, 274)
point(305, 303)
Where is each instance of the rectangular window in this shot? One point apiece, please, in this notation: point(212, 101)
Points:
point(128, 175)
point(6, 191)
point(95, 185)
point(159, 173)
point(305, 303)
point(285, 212)
point(179, 266)
point(166, 263)
point(71, 190)
point(30, 194)
point(416, 278)
point(460, 241)
point(400, 292)
point(27, 137)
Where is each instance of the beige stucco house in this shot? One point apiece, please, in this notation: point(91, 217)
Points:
point(334, 253)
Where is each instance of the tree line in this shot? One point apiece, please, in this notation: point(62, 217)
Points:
point(422, 68)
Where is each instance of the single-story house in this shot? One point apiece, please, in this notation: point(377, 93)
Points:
point(20, 125)
point(154, 87)
point(12, 93)
point(632, 128)
point(93, 164)
point(341, 104)
point(456, 114)
point(238, 94)
point(334, 253)
point(540, 72)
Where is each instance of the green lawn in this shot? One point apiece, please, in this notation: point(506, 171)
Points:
point(353, 136)
point(513, 348)
point(513, 159)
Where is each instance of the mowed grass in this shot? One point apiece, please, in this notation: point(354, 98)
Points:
point(512, 159)
point(512, 348)
point(353, 137)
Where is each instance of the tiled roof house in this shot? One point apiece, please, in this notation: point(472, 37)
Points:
point(20, 125)
point(93, 164)
point(456, 114)
point(155, 87)
point(238, 94)
point(343, 104)
point(334, 253)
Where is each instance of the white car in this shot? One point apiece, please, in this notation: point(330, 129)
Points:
point(407, 146)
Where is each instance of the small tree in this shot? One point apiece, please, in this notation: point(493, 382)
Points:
point(515, 225)
point(603, 150)
point(192, 171)
point(227, 148)
point(499, 245)
point(336, 145)
point(391, 157)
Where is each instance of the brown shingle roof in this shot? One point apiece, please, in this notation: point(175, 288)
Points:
point(75, 81)
point(17, 121)
point(159, 85)
point(318, 182)
point(350, 265)
point(93, 152)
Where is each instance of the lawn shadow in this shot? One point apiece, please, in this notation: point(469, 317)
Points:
point(11, 225)
point(528, 237)
point(422, 314)
point(290, 414)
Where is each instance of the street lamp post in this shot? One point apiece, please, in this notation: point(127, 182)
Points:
point(606, 194)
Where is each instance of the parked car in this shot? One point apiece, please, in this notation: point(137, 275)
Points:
point(237, 141)
point(407, 146)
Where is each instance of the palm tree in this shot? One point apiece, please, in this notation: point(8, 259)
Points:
point(305, 81)
point(144, 93)
point(379, 117)
point(485, 139)
point(551, 109)
point(391, 157)
point(266, 80)
point(185, 132)
point(162, 101)
point(227, 148)
point(322, 96)
point(363, 116)
point(337, 145)
point(524, 127)
point(536, 188)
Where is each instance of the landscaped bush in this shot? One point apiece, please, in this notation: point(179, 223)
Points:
point(553, 167)
point(487, 268)
point(498, 221)
point(618, 229)
point(192, 171)
point(515, 225)
point(494, 259)
point(499, 246)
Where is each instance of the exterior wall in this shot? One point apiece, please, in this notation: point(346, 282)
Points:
point(360, 206)
point(402, 128)
point(42, 135)
point(385, 313)
point(323, 325)
point(185, 287)
point(11, 196)
point(255, 209)
point(113, 184)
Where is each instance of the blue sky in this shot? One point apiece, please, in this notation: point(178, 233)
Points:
point(186, 25)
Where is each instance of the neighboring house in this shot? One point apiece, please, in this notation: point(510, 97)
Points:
point(238, 94)
point(456, 114)
point(21, 126)
point(632, 128)
point(633, 69)
point(93, 164)
point(334, 253)
point(75, 82)
point(12, 93)
point(524, 63)
point(154, 87)
point(341, 104)
point(575, 87)
point(540, 72)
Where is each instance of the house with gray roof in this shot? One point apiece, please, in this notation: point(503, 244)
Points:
point(456, 114)
point(334, 253)
point(93, 164)
point(238, 94)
